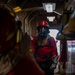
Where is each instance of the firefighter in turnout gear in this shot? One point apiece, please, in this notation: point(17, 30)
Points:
point(15, 58)
point(45, 50)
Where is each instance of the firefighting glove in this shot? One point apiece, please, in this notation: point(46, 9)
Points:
point(53, 66)
point(55, 61)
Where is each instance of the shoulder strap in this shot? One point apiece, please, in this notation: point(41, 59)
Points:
point(49, 42)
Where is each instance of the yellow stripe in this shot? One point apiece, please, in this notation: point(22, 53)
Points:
point(12, 14)
point(10, 36)
point(18, 36)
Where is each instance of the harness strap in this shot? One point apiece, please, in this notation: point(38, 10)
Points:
point(36, 55)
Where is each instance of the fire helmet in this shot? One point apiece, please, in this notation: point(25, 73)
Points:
point(43, 29)
point(8, 29)
point(43, 23)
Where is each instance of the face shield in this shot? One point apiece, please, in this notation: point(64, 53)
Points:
point(42, 33)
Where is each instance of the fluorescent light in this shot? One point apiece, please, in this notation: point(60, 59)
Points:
point(49, 7)
point(51, 18)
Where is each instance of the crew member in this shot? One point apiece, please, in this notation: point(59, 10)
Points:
point(45, 50)
point(12, 46)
